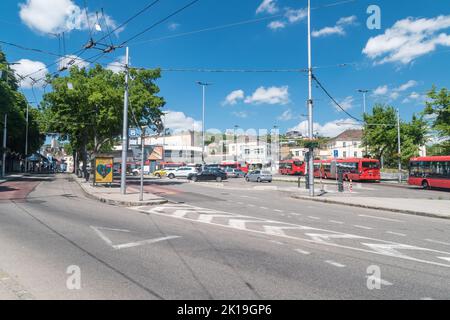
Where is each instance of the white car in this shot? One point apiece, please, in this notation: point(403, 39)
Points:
point(181, 172)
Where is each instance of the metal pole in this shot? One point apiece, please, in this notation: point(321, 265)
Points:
point(141, 194)
point(310, 107)
point(123, 177)
point(4, 146)
point(235, 144)
point(26, 143)
point(203, 125)
point(399, 148)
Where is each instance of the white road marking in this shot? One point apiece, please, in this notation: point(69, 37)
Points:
point(142, 242)
point(277, 210)
point(337, 222)
point(302, 251)
point(362, 227)
point(336, 264)
point(380, 218)
point(251, 205)
point(130, 244)
point(264, 208)
point(295, 214)
point(439, 242)
point(380, 281)
point(426, 298)
point(396, 233)
point(315, 218)
point(378, 246)
point(445, 258)
point(277, 242)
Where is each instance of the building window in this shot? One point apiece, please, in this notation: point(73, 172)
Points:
point(356, 154)
point(355, 143)
point(345, 154)
point(247, 151)
point(297, 153)
point(344, 144)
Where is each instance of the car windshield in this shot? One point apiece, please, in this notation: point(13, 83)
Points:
point(266, 173)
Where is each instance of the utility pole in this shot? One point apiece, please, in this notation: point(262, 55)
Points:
point(141, 193)
point(4, 146)
point(123, 177)
point(310, 108)
point(235, 144)
point(203, 84)
point(26, 143)
point(399, 148)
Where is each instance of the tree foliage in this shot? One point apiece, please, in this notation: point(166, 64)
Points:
point(438, 109)
point(381, 135)
point(86, 107)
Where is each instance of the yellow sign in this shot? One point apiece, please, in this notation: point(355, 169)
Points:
point(104, 170)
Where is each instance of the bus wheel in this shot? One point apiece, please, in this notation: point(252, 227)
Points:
point(425, 184)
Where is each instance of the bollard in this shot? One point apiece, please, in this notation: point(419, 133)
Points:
point(350, 186)
point(299, 181)
point(307, 181)
point(340, 182)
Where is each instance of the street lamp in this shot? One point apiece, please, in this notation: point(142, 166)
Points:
point(204, 85)
point(235, 143)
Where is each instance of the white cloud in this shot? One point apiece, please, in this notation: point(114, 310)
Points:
point(268, 6)
point(338, 29)
point(275, 25)
point(240, 114)
point(406, 86)
point(329, 129)
point(26, 67)
point(72, 60)
point(173, 26)
point(381, 91)
point(178, 121)
point(286, 115)
point(233, 97)
point(118, 65)
point(56, 16)
point(346, 104)
point(295, 15)
point(271, 95)
point(415, 97)
point(408, 39)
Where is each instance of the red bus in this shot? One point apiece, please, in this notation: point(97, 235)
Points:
point(292, 167)
point(430, 172)
point(164, 165)
point(244, 167)
point(355, 169)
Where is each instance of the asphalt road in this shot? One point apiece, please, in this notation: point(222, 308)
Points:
point(214, 241)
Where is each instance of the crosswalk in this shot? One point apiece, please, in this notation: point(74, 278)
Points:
point(299, 232)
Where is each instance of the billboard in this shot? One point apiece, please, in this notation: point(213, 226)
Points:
point(104, 170)
point(156, 153)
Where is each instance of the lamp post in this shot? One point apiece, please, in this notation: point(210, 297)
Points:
point(235, 144)
point(204, 85)
point(364, 92)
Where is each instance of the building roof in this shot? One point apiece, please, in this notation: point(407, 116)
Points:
point(350, 135)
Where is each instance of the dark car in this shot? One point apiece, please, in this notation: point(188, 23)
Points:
point(208, 175)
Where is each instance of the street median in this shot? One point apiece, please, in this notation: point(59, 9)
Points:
point(111, 195)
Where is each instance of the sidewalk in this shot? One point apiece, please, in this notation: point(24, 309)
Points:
point(422, 207)
point(111, 195)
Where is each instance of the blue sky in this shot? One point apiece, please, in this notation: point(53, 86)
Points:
point(398, 62)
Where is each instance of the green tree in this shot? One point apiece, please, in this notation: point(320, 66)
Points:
point(438, 108)
point(89, 111)
point(381, 135)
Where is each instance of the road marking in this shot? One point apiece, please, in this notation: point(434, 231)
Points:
point(380, 218)
point(251, 205)
point(426, 298)
point(362, 227)
point(323, 237)
point(130, 244)
point(396, 233)
point(142, 242)
point(277, 242)
point(302, 251)
point(440, 242)
point(315, 218)
point(277, 210)
point(379, 280)
point(264, 208)
point(295, 214)
point(337, 222)
point(445, 258)
point(336, 264)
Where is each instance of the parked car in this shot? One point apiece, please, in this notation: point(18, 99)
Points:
point(208, 175)
point(182, 172)
point(259, 176)
point(234, 173)
point(160, 173)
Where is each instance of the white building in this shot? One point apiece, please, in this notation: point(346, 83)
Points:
point(346, 145)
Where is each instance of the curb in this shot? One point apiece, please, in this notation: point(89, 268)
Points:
point(410, 212)
point(119, 202)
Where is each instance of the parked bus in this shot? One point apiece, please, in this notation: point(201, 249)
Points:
point(292, 168)
point(355, 169)
point(243, 166)
point(430, 172)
